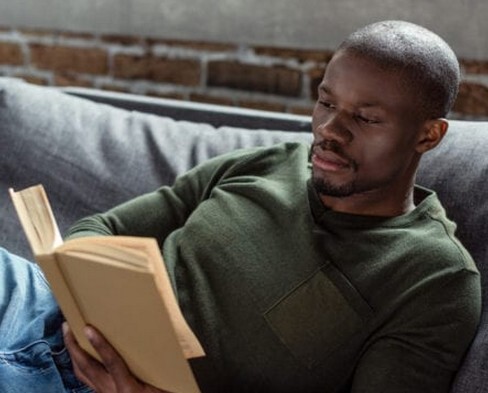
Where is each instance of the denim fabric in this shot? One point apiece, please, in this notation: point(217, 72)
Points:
point(33, 358)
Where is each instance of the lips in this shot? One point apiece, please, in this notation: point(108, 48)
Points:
point(327, 160)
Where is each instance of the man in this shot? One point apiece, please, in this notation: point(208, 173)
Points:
point(319, 269)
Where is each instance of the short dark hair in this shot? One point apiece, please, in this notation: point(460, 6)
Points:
point(427, 63)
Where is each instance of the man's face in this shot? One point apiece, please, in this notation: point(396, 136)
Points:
point(365, 130)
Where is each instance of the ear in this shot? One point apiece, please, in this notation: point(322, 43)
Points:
point(431, 134)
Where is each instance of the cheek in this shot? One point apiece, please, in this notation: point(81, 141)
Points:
point(387, 161)
point(382, 155)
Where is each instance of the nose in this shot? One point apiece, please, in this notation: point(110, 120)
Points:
point(334, 127)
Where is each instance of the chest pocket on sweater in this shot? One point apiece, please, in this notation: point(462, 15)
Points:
point(320, 316)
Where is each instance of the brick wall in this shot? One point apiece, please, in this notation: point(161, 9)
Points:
point(275, 79)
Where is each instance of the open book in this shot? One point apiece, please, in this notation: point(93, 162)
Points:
point(118, 285)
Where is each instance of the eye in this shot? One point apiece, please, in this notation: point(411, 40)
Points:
point(326, 104)
point(366, 120)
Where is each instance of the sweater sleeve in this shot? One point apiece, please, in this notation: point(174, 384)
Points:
point(157, 214)
point(422, 350)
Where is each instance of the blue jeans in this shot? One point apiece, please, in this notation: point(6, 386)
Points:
point(33, 358)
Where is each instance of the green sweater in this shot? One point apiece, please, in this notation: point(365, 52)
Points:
point(286, 295)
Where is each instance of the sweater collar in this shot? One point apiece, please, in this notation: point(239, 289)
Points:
point(426, 201)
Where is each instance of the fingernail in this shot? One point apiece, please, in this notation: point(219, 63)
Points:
point(65, 327)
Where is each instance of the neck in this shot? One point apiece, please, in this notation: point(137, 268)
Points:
point(373, 203)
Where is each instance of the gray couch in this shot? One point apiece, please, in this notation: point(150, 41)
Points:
point(91, 156)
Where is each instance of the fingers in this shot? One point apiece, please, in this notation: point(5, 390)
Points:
point(113, 362)
point(110, 376)
point(86, 368)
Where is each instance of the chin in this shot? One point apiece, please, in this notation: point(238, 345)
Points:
point(327, 188)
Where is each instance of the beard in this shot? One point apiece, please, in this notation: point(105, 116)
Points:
point(324, 186)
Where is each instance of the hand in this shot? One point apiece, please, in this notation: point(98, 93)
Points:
point(110, 376)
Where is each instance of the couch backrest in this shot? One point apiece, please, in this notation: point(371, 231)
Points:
point(458, 171)
point(215, 115)
point(92, 156)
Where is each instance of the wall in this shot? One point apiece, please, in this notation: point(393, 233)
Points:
point(310, 24)
point(267, 78)
point(227, 62)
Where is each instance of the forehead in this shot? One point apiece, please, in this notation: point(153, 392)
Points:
point(359, 81)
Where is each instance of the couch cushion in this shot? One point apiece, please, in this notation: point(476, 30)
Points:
point(91, 156)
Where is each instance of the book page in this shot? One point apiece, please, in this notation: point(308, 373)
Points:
point(40, 227)
point(37, 219)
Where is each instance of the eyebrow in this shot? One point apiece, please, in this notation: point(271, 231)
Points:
point(324, 88)
point(327, 90)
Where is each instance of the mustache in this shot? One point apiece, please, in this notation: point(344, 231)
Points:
point(331, 145)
